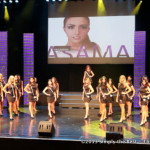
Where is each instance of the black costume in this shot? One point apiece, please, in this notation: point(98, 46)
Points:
point(143, 92)
point(87, 97)
point(103, 90)
point(122, 97)
point(18, 85)
point(110, 97)
point(12, 95)
point(129, 99)
point(88, 75)
point(50, 91)
point(32, 97)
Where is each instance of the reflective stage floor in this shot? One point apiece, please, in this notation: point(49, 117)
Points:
point(70, 125)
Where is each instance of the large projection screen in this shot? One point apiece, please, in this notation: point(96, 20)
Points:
point(91, 40)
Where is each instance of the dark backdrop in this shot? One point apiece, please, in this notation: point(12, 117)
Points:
point(30, 16)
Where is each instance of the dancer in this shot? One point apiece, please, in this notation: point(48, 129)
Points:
point(1, 99)
point(129, 78)
point(34, 108)
point(104, 91)
point(123, 90)
point(130, 97)
point(19, 85)
point(144, 89)
point(145, 77)
point(88, 73)
point(86, 95)
point(11, 95)
point(56, 90)
point(51, 97)
point(33, 95)
point(111, 96)
point(97, 96)
point(2, 84)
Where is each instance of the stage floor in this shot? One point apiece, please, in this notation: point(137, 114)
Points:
point(70, 125)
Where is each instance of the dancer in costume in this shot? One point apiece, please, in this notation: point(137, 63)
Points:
point(86, 96)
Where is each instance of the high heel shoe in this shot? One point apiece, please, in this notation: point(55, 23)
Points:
point(50, 116)
point(121, 121)
point(86, 118)
point(15, 114)
point(109, 114)
point(142, 124)
point(11, 119)
point(53, 113)
point(99, 114)
point(128, 116)
point(32, 117)
point(124, 119)
point(102, 120)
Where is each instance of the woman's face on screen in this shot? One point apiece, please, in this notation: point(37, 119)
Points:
point(76, 29)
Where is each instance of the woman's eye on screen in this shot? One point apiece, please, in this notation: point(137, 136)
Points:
point(71, 27)
point(83, 27)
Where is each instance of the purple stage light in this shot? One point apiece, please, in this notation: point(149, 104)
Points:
point(28, 56)
point(139, 62)
point(3, 56)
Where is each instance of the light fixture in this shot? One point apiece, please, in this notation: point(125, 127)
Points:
point(16, 1)
point(4, 1)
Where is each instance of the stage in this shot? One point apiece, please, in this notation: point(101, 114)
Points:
point(71, 127)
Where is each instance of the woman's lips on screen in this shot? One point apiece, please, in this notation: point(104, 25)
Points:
point(76, 37)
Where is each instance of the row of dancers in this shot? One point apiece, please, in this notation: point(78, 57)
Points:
point(124, 95)
point(13, 90)
point(106, 90)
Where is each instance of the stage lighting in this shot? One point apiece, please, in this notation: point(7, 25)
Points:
point(53, 0)
point(101, 11)
point(6, 14)
point(16, 1)
point(137, 8)
point(10, 1)
point(4, 1)
point(62, 7)
point(47, 0)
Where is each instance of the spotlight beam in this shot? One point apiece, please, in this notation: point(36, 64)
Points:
point(62, 7)
point(6, 14)
point(137, 8)
point(101, 11)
